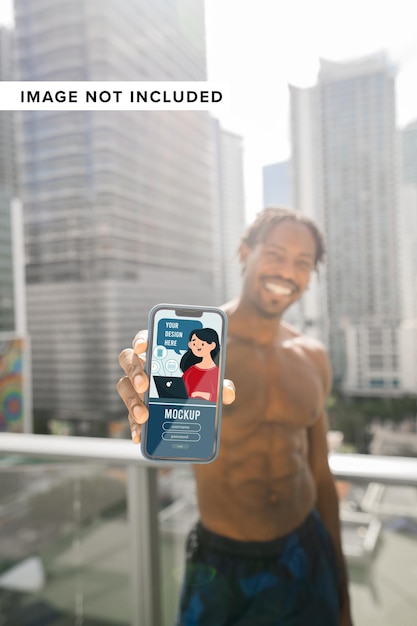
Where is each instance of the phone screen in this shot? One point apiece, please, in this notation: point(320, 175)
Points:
point(185, 365)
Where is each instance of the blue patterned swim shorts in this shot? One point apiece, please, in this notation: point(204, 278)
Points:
point(289, 581)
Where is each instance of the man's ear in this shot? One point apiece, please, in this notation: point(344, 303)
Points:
point(243, 254)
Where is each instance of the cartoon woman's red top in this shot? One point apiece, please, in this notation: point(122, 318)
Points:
point(203, 380)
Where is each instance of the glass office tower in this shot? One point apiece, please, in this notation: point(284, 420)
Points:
point(119, 206)
point(344, 158)
point(231, 208)
point(8, 185)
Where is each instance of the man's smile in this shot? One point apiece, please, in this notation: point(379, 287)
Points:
point(279, 288)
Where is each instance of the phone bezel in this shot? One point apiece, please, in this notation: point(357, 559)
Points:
point(196, 311)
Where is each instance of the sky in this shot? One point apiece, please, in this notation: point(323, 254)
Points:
point(262, 46)
point(259, 47)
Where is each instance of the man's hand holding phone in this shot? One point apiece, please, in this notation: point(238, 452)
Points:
point(135, 383)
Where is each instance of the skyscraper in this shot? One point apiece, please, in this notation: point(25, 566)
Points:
point(231, 207)
point(408, 235)
point(409, 154)
point(8, 172)
point(343, 133)
point(277, 185)
point(7, 303)
point(119, 206)
point(15, 389)
point(408, 222)
point(8, 185)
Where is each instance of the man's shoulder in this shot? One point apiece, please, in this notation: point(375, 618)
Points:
point(313, 349)
point(311, 345)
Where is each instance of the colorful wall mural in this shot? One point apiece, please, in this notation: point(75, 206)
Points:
point(11, 385)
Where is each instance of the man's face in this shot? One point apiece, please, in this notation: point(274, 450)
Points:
point(278, 270)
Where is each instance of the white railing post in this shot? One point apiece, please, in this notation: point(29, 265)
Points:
point(142, 506)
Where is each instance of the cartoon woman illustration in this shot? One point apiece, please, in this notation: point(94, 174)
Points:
point(200, 364)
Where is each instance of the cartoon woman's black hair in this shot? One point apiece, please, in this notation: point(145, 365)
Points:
point(205, 334)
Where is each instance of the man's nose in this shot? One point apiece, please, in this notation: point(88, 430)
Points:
point(286, 269)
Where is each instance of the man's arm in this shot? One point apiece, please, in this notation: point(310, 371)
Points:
point(327, 499)
point(328, 505)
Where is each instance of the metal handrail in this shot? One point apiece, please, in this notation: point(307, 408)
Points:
point(68, 447)
point(365, 467)
point(391, 470)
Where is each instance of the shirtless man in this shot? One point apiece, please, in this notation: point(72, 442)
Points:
point(267, 549)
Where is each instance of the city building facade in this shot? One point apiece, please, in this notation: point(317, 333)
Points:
point(231, 208)
point(408, 218)
point(277, 184)
point(8, 187)
point(345, 176)
point(120, 211)
point(15, 386)
point(408, 235)
point(8, 170)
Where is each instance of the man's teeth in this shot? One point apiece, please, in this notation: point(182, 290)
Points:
point(278, 290)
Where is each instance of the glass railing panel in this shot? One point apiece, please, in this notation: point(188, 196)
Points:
point(64, 552)
point(177, 515)
point(92, 535)
point(379, 537)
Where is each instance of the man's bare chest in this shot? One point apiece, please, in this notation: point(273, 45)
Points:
point(280, 385)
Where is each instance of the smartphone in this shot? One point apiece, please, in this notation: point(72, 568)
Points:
point(185, 365)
